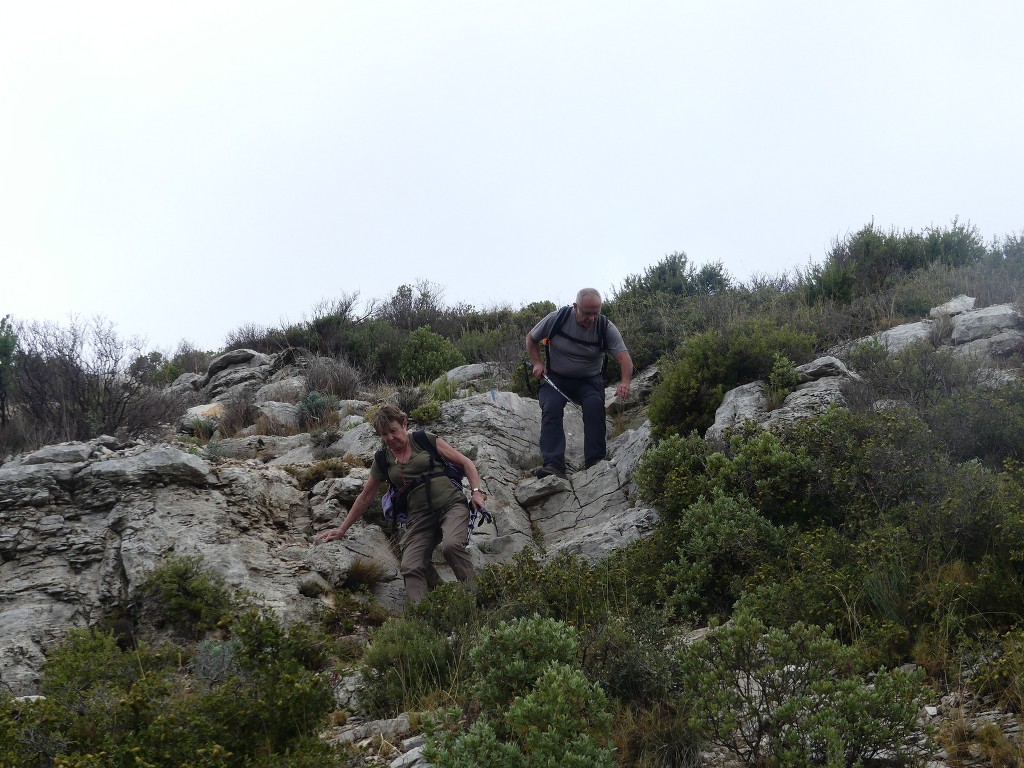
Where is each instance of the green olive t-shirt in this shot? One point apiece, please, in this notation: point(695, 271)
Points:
point(443, 492)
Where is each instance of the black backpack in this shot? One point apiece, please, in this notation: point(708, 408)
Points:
point(556, 328)
point(395, 502)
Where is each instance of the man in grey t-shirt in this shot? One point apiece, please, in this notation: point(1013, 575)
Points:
point(575, 363)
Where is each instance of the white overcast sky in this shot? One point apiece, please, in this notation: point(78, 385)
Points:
point(185, 168)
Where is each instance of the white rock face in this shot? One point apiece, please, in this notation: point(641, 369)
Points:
point(954, 306)
point(984, 323)
point(82, 524)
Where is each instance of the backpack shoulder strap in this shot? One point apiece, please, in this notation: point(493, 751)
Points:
point(421, 439)
point(560, 318)
point(381, 457)
point(556, 328)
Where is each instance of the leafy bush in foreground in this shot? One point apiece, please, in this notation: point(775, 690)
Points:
point(784, 698)
point(407, 661)
point(509, 658)
point(110, 707)
point(185, 593)
point(538, 708)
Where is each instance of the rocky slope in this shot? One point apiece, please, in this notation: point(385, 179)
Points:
point(82, 524)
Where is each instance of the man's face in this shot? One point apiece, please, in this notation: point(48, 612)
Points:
point(587, 311)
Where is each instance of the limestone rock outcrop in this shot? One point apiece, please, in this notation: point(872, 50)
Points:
point(990, 334)
point(83, 524)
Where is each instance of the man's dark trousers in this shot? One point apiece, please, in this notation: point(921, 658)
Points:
point(589, 393)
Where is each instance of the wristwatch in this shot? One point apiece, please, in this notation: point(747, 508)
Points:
point(475, 490)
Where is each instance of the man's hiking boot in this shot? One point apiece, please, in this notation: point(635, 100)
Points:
point(549, 470)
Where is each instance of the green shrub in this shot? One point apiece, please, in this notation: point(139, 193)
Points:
point(658, 309)
point(426, 355)
point(568, 588)
point(815, 580)
point(785, 698)
point(502, 344)
point(774, 474)
point(716, 545)
point(448, 609)
point(316, 409)
point(696, 378)
point(627, 656)
point(186, 594)
point(443, 389)
point(564, 721)
point(1002, 675)
point(508, 659)
point(321, 470)
point(660, 735)
point(448, 746)
point(985, 423)
point(427, 413)
point(870, 260)
point(918, 374)
point(523, 383)
point(407, 661)
point(674, 474)
point(375, 346)
point(86, 659)
point(781, 381)
point(107, 707)
point(871, 464)
point(264, 641)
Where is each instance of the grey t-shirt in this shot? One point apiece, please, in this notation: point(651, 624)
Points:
point(566, 356)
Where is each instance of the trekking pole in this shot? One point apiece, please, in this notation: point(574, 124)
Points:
point(568, 399)
point(485, 517)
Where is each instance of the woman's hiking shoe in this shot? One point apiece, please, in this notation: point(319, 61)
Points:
point(547, 470)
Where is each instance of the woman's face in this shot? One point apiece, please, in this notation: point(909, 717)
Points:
point(396, 436)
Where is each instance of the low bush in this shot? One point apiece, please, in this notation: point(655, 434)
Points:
point(407, 662)
point(509, 658)
point(427, 413)
point(775, 475)
point(187, 595)
point(695, 379)
point(251, 701)
point(426, 355)
point(781, 381)
point(334, 378)
point(375, 346)
point(238, 413)
point(796, 697)
point(568, 589)
point(321, 470)
point(698, 565)
point(1002, 674)
point(675, 473)
point(317, 410)
point(564, 720)
point(538, 708)
point(627, 656)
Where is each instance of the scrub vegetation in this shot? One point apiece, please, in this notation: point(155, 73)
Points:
point(844, 571)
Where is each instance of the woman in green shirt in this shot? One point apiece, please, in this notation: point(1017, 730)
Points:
point(440, 517)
